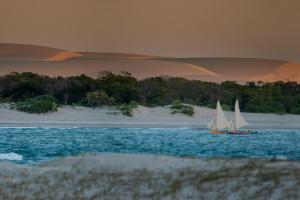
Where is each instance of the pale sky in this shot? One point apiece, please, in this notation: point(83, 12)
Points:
point(177, 28)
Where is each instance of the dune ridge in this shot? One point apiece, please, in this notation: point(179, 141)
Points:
point(27, 52)
point(287, 72)
point(64, 56)
point(107, 55)
point(54, 62)
point(202, 70)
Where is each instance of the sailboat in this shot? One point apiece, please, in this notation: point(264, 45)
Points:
point(238, 121)
point(219, 123)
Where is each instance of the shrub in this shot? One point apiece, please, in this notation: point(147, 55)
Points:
point(178, 107)
point(39, 104)
point(264, 104)
point(126, 109)
point(295, 110)
point(225, 107)
point(99, 98)
point(188, 110)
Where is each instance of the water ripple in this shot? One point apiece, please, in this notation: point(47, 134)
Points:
point(39, 144)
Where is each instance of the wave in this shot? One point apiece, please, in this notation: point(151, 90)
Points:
point(19, 127)
point(281, 157)
point(36, 127)
point(10, 156)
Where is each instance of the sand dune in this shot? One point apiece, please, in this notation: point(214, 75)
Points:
point(91, 67)
point(20, 58)
point(72, 63)
point(26, 52)
point(96, 55)
point(239, 69)
point(202, 70)
point(65, 55)
point(286, 72)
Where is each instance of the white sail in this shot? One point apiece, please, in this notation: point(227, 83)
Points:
point(219, 121)
point(212, 124)
point(239, 120)
point(231, 125)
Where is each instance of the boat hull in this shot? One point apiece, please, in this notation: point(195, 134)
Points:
point(217, 132)
point(232, 132)
point(239, 132)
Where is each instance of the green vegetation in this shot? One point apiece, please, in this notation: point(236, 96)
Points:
point(127, 109)
point(121, 89)
point(224, 106)
point(178, 107)
point(39, 104)
point(99, 98)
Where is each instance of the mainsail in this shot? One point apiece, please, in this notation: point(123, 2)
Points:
point(219, 121)
point(212, 124)
point(239, 120)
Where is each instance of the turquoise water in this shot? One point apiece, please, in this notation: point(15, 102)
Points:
point(32, 145)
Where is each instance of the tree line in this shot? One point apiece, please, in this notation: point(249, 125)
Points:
point(124, 89)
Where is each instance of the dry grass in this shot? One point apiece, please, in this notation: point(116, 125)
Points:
point(211, 179)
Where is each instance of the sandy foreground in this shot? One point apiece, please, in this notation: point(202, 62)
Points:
point(143, 117)
point(125, 176)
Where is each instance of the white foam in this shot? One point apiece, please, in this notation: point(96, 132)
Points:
point(281, 157)
point(10, 156)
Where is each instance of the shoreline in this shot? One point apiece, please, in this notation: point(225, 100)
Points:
point(143, 117)
point(131, 126)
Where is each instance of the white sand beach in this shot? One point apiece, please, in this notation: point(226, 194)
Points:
point(143, 117)
point(128, 176)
